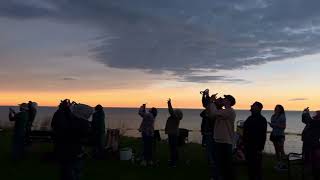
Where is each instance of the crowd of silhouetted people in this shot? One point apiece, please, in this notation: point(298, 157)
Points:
point(71, 128)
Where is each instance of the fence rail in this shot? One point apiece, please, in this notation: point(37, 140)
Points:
point(293, 143)
point(197, 130)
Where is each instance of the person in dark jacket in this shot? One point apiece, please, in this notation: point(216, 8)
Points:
point(307, 131)
point(254, 137)
point(59, 125)
point(20, 122)
point(69, 132)
point(98, 131)
point(207, 131)
point(172, 130)
point(32, 112)
point(311, 142)
point(207, 126)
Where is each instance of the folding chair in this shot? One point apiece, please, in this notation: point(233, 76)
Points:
point(238, 151)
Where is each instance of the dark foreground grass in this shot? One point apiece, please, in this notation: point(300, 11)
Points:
point(36, 166)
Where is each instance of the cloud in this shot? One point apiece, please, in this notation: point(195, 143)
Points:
point(207, 79)
point(24, 9)
point(69, 79)
point(298, 99)
point(180, 36)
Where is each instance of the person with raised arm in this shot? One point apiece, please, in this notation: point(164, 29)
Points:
point(20, 120)
point(311, 142)
point(224, 135)
point(32, 112)
point(69, 133)
point(207, 131)
point(172, 130)
point(206, 124)
point(147, 133)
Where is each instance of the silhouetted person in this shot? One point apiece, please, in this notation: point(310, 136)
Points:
point(207, 131)
point(59, 123)
point(19, 134)
point(306, 148)
point(277, 136)
point(98, 131)
point(172, 130)
point(223, 135)
point(254, 138)
point(147, 132)
point(311, 142)
point(206, 125)
point(69, 132)
point(32, 112)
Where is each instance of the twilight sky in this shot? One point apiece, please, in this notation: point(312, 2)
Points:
point(127, 52)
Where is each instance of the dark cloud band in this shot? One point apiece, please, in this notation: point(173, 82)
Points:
point(180, 36)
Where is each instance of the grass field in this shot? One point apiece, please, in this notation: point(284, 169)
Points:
point(37, 167)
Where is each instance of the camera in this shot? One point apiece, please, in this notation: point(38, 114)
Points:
point(205, 91)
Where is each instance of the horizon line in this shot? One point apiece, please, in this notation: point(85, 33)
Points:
point(137, 107)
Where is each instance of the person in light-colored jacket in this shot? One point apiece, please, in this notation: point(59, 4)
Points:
point(147, 132)
point(223, 135)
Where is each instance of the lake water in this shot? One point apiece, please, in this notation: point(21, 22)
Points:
point(128, 120)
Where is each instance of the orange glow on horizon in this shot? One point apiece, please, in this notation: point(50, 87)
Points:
point(156, 98)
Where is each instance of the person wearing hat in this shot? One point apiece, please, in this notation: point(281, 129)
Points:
point(98, 131)
point(172, 130)
point(20, 120)
point(223, 135)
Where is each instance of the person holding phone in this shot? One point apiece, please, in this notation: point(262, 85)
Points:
point(311, 142)
point(207, 130)
point(147, 132)
point(20, 120)
point(306, 119)
point(172, 130)
point(69, 133)
point(223, 134)
point(277, 136)
point(32, 112)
